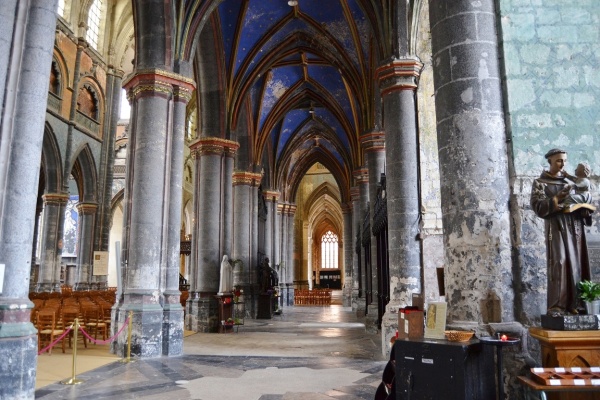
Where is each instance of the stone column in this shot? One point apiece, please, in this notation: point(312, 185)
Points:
point(215, 155)
point(290, 271)
point(398, 83)
point(278, 237)
point(348, 252)
point(114, 81)
point(228, 161)
point(172, 324)
point(146, 210)
point(355, 196)
point(51, 241)
point(362, 181)
point(244, 184)
point(28, 29)
point(271, 202)
point(85, 232)
point(474, 179)
point(373, 144)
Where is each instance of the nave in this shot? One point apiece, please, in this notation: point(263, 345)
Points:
point(308, 353)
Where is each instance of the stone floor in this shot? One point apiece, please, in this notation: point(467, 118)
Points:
point(307, 353)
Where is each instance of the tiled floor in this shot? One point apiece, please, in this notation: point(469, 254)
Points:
point(309, 353)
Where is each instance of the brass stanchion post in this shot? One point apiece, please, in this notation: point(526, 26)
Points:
point(128, 359)
point(73, 380)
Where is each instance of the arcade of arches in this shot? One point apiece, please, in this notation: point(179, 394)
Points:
point(356, 144)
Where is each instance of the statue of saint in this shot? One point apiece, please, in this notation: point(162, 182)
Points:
point(226, 284)
point(566, 246)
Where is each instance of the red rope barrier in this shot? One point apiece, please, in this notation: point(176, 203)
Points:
point(91, 339)
point(56, 341)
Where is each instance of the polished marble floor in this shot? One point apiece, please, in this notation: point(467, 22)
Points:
point(307, 353)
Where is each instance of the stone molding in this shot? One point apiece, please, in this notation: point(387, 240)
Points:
point(271, 195)
point(361, 175)
point(355, 193)
point(214, 146)
point(56, 199)
point(400, 74)
point(159, 82)
point(373, 142)
point(87, 208)
point(246, 178)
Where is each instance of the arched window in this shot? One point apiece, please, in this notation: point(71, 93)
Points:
point(55, 78)
point(61, 8)
point(329, 250)
point(94, 19)
point(87, 103)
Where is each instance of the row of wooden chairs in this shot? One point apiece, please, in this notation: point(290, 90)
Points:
point(315, 297)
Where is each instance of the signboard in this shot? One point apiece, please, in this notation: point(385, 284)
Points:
point(100, 263)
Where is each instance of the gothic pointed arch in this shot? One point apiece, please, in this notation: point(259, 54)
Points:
point(51, 162)
point(84, 173)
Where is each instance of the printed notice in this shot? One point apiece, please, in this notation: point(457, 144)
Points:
point(100, 266)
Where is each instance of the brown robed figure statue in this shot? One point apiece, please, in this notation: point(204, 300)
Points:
point(566, 246)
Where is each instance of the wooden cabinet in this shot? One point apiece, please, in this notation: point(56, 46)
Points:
point(225, 312)
point(569, 349)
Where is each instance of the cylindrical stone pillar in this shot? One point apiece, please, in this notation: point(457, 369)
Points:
point(271, 198)
point(362, 181)
point(291, 267)
point(373, 145)
point(51, 241)
point(355, 196)
point(28, 32)
point(474, 178)
point(114, 82)
point(214, 155)
point(85, 232)
point(348, 251)
point(150, 92)
point(172, 310)
point(398, 82)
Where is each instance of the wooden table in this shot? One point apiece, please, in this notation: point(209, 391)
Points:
point(543, 389)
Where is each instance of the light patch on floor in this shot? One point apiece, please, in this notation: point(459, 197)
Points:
point(255, 383)
point(332, 325)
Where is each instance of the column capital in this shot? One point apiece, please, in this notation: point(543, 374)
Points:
point(87, 208)
point(399, 74)
point(55, 199)
point(361, 175)
point(346, 208)
point(355, 193)
point(373, 141)
point(281, 208)
point(159, 82)
point(271, 195)
point(246, 178)
point(291, 209)
point(214, 145)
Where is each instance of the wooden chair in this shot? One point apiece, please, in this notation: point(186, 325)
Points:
point(94, 322)
point(47, 331)
point(69, 314)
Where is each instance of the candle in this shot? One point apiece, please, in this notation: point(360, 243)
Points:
point(504, 338)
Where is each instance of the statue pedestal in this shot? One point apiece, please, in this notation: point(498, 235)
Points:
point(569, 349)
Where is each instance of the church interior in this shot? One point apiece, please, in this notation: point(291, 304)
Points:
point(261, 190)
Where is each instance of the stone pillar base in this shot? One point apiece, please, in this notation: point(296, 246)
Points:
point(147, 322)
point(371, 320)
point(47, 287)
point(81, 287)
point(389, 325)
point(19, 355)
point(347, 297)
point(203, 313)
point(172, 325)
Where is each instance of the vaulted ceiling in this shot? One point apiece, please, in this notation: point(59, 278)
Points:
point(302, 73)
